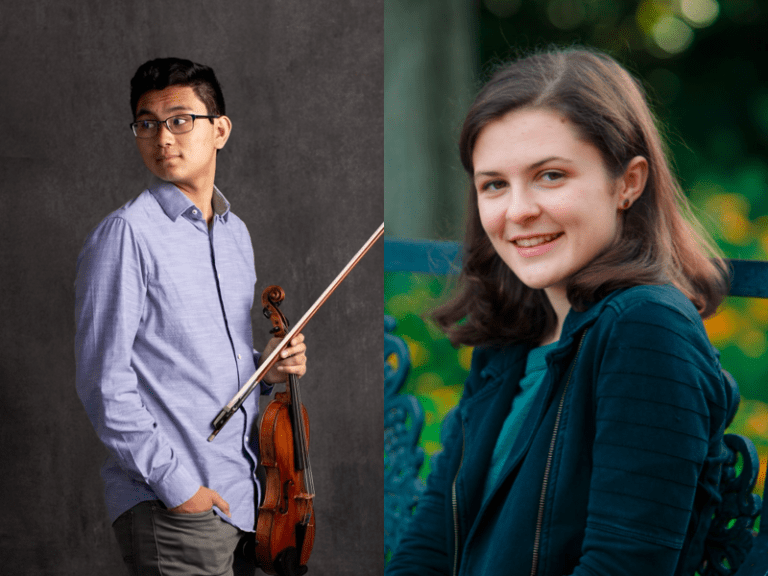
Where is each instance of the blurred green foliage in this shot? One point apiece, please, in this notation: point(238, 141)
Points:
point(707, 82)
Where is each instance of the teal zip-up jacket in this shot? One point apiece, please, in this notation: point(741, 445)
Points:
point(639, 400)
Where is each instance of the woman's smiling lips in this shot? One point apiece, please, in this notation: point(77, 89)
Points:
point(535, 245)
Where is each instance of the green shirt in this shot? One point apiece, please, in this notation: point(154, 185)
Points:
point(535, 370)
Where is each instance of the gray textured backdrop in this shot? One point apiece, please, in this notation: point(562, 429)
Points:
point(303, 168)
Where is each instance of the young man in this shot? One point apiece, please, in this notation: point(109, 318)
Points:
point(164, 291)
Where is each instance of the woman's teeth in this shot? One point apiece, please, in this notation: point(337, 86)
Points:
point(529, 242)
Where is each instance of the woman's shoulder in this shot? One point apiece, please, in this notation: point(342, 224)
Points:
point(651, 340)
point(641, 312)
point(656, 317)
point(663, 299)
point(664, 306)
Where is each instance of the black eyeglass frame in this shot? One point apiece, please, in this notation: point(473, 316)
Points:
point(135, 125)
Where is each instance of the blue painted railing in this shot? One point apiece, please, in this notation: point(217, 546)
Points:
point(749, 278)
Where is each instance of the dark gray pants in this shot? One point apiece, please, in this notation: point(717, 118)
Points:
point(156, 542)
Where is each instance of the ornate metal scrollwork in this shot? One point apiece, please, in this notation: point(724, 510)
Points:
point(730, 536)
point(403, 421)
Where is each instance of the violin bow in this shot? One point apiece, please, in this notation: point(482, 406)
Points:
point(266, 364)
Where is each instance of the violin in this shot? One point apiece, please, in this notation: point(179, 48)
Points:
point(285, 532)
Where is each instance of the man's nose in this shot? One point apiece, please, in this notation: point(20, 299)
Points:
point(164, 135)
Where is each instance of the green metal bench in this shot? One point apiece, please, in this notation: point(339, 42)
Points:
point(728, 549)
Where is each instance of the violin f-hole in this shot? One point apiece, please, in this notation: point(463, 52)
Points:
point(287, 485)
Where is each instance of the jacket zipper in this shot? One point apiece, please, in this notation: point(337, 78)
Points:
point(550, 456)
point(454, 502)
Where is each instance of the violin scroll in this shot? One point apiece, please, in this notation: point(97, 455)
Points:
point(270, 300)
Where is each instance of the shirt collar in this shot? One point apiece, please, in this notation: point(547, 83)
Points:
point(174, 202)
point(220, 204)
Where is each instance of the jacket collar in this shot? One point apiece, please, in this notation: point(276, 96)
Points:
point(575, 322)
point(574, 325)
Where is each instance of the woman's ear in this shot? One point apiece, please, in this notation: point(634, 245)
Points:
point(632, 182)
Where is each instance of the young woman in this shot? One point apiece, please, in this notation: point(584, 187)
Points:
point(587, 441)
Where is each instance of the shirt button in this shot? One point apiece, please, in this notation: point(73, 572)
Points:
point(239, 357)
point(194, 211)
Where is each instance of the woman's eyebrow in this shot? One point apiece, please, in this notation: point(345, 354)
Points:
point(533, 166)
point(487, 173)
point(549, 159)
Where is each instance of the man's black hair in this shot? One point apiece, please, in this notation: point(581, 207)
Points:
point(163, 72)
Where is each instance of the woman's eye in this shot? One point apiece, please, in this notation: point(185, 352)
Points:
point(551, 176)
point(493, 186)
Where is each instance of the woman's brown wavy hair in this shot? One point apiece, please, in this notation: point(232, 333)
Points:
point(660, 241)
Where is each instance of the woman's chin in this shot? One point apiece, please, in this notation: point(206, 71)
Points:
point(538, 282)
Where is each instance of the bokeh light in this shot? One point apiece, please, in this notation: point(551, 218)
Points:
point(731, 211)
point(671, 34)
point(699, 13)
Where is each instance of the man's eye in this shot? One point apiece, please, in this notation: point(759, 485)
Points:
point(179, 120)
point(146, 124)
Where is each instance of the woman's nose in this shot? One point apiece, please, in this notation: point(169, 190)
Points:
point(522, 206)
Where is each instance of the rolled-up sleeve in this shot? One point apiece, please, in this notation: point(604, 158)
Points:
point(110, 296)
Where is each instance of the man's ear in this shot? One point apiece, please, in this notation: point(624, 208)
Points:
point(222, 129)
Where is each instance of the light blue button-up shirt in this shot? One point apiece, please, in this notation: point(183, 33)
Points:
point(163, 314)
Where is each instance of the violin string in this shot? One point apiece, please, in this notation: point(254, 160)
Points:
point(303, 445)
point(296, 404)
point(309, 484)
point(298, 418)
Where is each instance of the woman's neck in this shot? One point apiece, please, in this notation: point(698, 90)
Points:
point(559, 300)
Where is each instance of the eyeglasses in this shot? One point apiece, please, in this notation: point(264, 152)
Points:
point(176, 125)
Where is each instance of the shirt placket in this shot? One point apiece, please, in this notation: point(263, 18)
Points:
point(217, 236)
